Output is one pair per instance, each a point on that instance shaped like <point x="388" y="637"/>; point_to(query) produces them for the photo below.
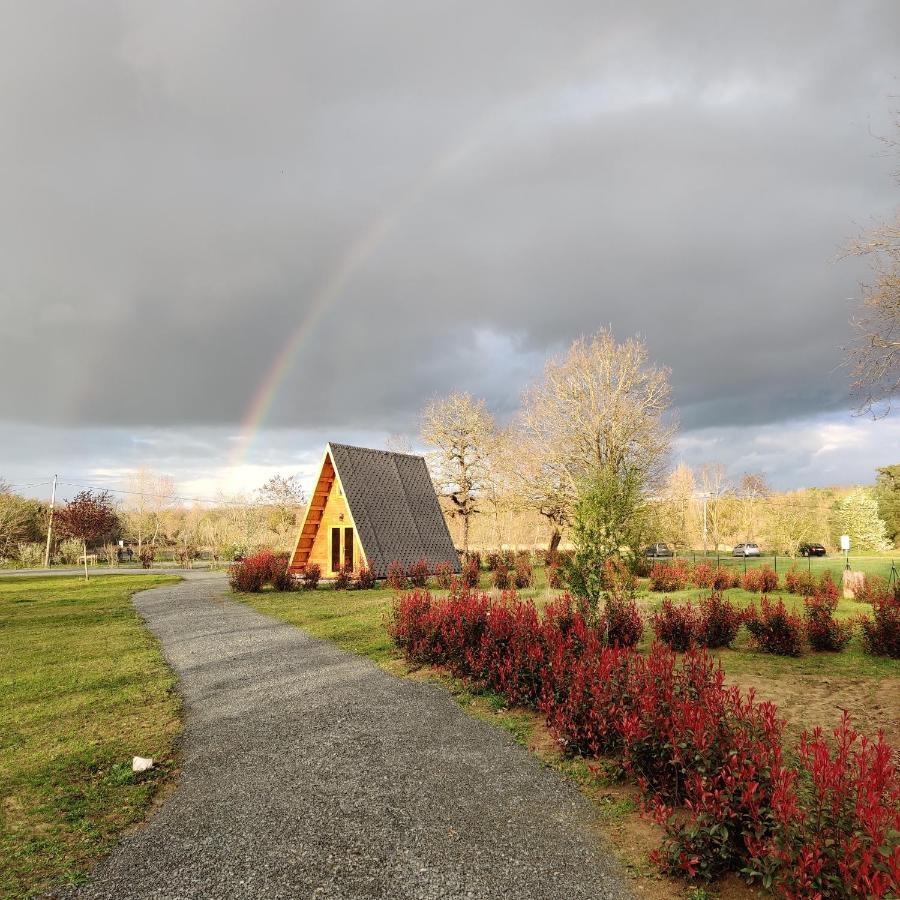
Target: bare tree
<point x="284" y="498"/>
<point x="752" y="489"/>
<point x="461" y="432"/>
<point x="719" y="506"/>
<point x="600" y="409"/>
<point x="676" y="508"/>
<point x="875" y="357"/>
<point x="398" y="443"/>
<point x="149" y="495"/>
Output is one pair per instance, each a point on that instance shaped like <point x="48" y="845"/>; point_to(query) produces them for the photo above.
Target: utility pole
<point x="50" y="525"/>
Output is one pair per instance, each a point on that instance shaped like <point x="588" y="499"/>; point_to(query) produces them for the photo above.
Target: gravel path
<point x="310" y="773"/>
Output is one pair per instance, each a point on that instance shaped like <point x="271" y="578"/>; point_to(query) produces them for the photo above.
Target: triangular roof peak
<point x="393" y="505"/>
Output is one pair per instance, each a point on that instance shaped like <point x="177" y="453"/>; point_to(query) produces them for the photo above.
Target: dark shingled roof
<point x="394" y="506"/>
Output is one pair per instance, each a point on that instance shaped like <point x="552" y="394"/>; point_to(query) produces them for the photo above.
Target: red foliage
<point x="708" y="758"/>
<point x="702" y="575"/>
<point x="834" y="821"/>
<point x="719" y="621"/>
<point x="762" y="580"/>
<point x="621" y="621"/>
<point x="311" y="575"/>
<point x="799" y="582"/>
<point x="774" y="629"/>
<point x="396" y="576"/>
<point x="365" y="579"/>
<point x="724" y="578"/>
<point x="676" y="626"/>
<point x="88" y="516"/>
<point x="875" y="589"/>
<point x="254" y="572"/>
<point x="443" y="574"/>
<point x="343" y="579"/>
<point x="524" y="574"/>
<point x="881" y="634"/>
<point x="823" y="631"/>
<point x="554" y="576"/>
<point x="470" y="570"/>
<point x="669" y="576"/>
<point x="418" y="573"/>
<point x="827" y="588"/>
<point x="501" y="576"/>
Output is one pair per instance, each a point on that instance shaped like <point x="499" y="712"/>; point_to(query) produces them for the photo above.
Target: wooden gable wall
<point x="327" y="509"/>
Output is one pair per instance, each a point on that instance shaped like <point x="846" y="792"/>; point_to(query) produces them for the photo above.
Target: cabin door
<point x="348" y="549"/>
<point x="335" y="550"/>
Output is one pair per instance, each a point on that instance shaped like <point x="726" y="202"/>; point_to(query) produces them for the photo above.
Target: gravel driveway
<point x="310" y="773"/>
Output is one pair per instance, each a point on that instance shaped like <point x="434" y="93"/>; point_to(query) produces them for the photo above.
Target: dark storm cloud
<point x="179" y="183"/>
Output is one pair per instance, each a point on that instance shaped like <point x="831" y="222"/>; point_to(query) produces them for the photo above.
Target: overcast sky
<point x="426" y="197"/>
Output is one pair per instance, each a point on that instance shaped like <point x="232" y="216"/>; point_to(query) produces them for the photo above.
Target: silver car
<point x="746" y="550"/>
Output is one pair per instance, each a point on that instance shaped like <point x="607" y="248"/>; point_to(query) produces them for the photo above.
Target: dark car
<point x="658" y="550"/>
<point x="812" y="550"/>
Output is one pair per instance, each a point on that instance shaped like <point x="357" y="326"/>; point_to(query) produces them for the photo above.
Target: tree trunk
<point x="465" y="536"/>
<point x="84" y="547"/>
<point x="555" y="538"/>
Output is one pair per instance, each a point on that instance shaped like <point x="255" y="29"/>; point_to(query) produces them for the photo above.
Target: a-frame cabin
<point x="370" y="508"/>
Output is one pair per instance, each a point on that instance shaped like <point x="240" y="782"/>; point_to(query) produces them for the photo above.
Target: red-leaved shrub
<point x="501" y="577"/>
<point x="827" y="588"/>
<point x="669" y="576"/>
<point x="254" y="572"/>
<point x="443" y="575"/>
<point x="311" y="575"/>
<point x="621" y="621"/>
<point x="823" y="631"/>
<point x="396" y="576"/>
<point x="774" y="629"/>
<point x="676" y="626"/>
<point x="834" y="820"/>
<point x="524" y="574"/>
<point x="343" y="579"/>
<point x="799" y="582"/>
<point x="554" y="576"/>
<point x="365" y="579"/>
<point x="702" y="575"/>
<point x="881" y="634"/>
<point x="470" y="572"/>
<point x="247" y="576"/>
<point x="874" y="589"/>
<point x="762" y="580"/>
<point x="724" y="578"/>
<point x="708" y="758"/>
<point x="418" y="573"/>
<point x="719" y="621"/>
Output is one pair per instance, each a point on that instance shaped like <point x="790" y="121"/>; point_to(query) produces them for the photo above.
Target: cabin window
<point x="348" y="548"/>
<point x="335" y="549"/>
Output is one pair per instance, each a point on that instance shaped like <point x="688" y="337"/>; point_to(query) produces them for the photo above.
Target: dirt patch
<point x="808" y="701"/>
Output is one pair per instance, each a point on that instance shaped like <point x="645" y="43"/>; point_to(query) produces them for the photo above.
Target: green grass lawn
<point x="83" y="689"/>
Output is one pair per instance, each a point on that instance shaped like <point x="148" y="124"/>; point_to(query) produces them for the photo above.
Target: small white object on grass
<point x="141" y="764"/>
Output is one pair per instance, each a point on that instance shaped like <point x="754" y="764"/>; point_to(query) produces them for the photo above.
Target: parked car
<point x="658" y="550"/>
<point x="812" y="550"/>
<point x="746" y="550"/>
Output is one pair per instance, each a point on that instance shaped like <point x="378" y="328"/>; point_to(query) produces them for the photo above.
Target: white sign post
<point x="845" y="546"/>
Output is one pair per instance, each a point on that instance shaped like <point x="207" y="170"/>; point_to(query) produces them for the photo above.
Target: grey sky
<point x="473" y="184"/>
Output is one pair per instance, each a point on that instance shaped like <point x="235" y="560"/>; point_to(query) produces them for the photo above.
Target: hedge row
<point x="819" y="821"/>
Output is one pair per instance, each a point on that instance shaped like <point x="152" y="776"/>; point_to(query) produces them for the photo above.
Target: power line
<point x="147" y="494"/>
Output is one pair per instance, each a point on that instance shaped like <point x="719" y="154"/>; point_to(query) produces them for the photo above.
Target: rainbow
<point x="356" y="255"/>
<point x="368" y="242"/>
